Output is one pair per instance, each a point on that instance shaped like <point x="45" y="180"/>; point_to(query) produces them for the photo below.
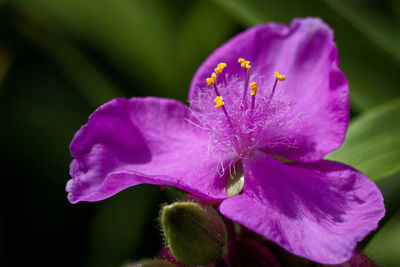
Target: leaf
<point x="372" y="144"/>
<point x="376" y="20"/>
<point x="372" y="72"/>
<point x="390" y="187"/>
<point x="260" y="11"/>
<point x="384" y="248"/>
<point x="136" y="36"/>
<point x="199" y="35"/>
<point x="91" y="83"/>
<point x="6" y="58"/>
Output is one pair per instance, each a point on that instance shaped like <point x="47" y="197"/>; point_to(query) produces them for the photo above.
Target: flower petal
<point x="142" y="140"/>
<point x="318" y="211"/>
<point x="306" y="53"/>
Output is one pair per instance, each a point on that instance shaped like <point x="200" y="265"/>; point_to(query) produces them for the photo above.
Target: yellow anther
<point x="218" y="102"/>
<point x="221" y="65"/>
<point x="212" y="79"/>
<point x="279" y="77"/>
<point x="247" y="66"/>
<point x="220" y="68"/>
<point x="253" y="87"/>
<point x="244" y="63"/>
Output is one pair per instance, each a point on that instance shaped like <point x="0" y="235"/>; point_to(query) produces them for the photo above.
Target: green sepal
<point x="195" y="234"/>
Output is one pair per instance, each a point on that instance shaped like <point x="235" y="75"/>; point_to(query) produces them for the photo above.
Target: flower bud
<point x="152" y="263"/>
<point x="195" y="234"/>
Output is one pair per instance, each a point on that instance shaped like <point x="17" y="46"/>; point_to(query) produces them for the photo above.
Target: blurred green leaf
<point x="384" y="248"/>
<point x="199" y="35"/>
<point x="120" y="224"/>
<point x="252" y="12"/>
<point x="375" y="19"/>
<point x="135" y="35"/>
<point x="91" y="83"/>
<point x="396" y="7"/>
<point x="372" y="144"/>
<point x="372" y="72"/>
<point x="6" y="58"/>
<point x="390" y="188"/>
<point x="157" y="47"/>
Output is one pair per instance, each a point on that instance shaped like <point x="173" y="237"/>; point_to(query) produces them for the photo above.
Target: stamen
<point x="220" y="68"/>
<point x="253" y="87"/>
<point x="245" y="64"/>
<point x="279" y="77"/>
<point x="244" y="127"/>
<point x="253" y="93"/>
<point x="222" y="65"/>
<point x="218" y="102"/>
<point x="212" y="79"/>
<point x="216" y="89"/>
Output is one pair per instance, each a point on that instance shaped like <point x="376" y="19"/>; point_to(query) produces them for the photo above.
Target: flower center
<point x="236" y="123"/>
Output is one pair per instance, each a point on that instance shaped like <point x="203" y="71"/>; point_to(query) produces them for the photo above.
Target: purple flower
<point x="276" y="131"/>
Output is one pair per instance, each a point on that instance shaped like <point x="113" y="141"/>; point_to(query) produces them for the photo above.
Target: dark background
<point x="60" y="60"/>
